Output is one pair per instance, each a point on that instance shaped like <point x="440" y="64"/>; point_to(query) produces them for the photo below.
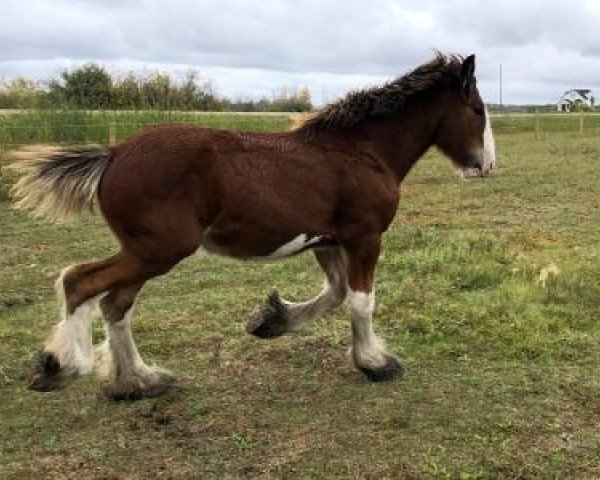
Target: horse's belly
<point x="299" y="244"/>
<point x="247" y="246"/>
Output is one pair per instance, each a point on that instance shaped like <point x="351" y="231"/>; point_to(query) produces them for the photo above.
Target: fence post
<point x="581" y="122"/>
<point x="537" y="124"/>
<point x="112" y="133"/>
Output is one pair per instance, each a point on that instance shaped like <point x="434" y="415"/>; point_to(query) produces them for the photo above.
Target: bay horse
<point x="330" y="186"/>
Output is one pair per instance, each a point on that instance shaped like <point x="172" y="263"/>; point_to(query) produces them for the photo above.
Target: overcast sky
<point x="253" y="47"/>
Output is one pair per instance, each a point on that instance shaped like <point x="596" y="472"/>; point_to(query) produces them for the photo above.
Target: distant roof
<point x="583" y="92"/>
<point x="576" y="92"/>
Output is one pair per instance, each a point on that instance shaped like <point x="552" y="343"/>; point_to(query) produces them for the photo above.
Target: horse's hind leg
<point x="278" y="316"/>
<point x="68" y="351"/>
<point x="117" y="359"/>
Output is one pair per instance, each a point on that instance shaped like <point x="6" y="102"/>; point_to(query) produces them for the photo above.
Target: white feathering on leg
<point x="71" y="341"/>
<point x="367" y="349"/>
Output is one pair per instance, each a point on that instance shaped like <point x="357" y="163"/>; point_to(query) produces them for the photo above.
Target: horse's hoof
<point x="48" y="375"/>
<point x="272" y="319"/>
<point x="140" y="387"/>
<point x="392" y="370"/>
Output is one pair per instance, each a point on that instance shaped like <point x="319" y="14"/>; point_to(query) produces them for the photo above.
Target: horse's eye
<point x="478" y="110"/>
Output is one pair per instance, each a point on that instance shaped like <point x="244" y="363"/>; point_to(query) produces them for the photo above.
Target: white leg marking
<point x="103" y="360"/>
<point x="300" y="242"/>
<point x="125" y="356"/>
<point x="120" y="364"/>
<point x="302" y="312"/>
<point x="71" y="340"/>
<point x="367" y="349"/>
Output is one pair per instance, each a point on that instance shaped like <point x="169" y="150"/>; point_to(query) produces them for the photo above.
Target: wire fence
<point x="544" y="124"/>
<point x="108" y="128"/>
<point x="67" y="127"/>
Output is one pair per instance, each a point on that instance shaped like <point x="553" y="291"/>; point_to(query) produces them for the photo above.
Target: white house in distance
<point x="572" y="97"/>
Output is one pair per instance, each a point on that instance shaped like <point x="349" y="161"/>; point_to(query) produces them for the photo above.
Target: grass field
<point x="489" y="290"/>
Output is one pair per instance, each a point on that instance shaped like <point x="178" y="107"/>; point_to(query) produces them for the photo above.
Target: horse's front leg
<point x="279" y="316"/>
<point x="368" y="352"/>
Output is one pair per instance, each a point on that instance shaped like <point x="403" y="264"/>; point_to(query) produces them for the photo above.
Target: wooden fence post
<point x="537" y="124"/>
<point x="581" y="122"/>
<point x="112" y="133"/>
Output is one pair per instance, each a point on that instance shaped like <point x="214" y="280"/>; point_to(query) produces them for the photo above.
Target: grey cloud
<point x="543" y="45"/>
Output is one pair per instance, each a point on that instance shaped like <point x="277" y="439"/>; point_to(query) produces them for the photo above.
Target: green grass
<point x="503" y="377"/>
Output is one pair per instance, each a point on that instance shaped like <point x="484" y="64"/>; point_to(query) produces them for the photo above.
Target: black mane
<point x="389" y="98"/>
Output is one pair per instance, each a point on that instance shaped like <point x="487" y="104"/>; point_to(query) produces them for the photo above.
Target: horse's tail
<point x="58" y="182"/>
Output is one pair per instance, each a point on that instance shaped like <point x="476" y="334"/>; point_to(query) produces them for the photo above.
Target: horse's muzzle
<point x="479" y="166"/>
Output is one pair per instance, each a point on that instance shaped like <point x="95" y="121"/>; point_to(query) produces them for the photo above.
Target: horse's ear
<point x="466" y="74"/>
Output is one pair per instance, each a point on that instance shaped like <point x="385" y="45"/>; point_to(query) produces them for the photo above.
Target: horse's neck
<point x="400" y="140"/>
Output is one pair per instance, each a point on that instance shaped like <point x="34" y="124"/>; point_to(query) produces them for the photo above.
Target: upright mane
<point x="360" y="105"/>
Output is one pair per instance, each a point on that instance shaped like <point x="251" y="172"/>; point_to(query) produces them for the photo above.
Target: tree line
<point x="90" y="86"/>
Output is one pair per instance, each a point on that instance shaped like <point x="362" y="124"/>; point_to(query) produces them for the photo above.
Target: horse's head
<point x="465" y="133"/>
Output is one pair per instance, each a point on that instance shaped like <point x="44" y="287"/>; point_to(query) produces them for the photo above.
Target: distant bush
<point x="496" y="108"/>
<point x="283" y="101"/>
<point x="20" y="93"/>
<point x="90" y="86"/>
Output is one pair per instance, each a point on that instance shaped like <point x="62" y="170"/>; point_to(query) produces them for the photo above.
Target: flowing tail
<point x="58" y="182"/>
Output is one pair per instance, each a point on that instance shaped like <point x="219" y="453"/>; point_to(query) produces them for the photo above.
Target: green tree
<point x="155" y="90"/>
<point x="88" y="86"/>
<point x="126" y="92"/>
<point x="189" y="92"/>
<point x="292" y="101"/>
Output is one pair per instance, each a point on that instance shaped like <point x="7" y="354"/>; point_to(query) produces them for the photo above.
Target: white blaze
<point x="489" y="148"/>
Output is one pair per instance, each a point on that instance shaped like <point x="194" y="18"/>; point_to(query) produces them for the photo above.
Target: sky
<point x="252" y="48"/>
